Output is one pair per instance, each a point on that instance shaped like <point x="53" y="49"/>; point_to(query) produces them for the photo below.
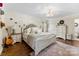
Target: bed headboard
<point x="31" y="28"/>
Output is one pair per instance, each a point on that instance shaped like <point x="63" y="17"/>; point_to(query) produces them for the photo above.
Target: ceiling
<point x="41" y="9"/>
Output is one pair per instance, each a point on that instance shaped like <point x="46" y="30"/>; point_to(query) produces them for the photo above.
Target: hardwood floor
<point x="18" y="49"/>
<point x="70" y="42"/>
<point x="22" y="49"/>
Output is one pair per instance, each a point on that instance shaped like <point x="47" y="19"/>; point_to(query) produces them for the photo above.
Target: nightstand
<point x="16" y="37"/>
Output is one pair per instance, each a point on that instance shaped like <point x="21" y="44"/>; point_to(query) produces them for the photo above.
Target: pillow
<point x="29" y="30"/>
<point x="36" y="30"/>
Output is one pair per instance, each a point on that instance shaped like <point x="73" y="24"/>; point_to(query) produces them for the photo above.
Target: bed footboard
<point x="43" y="43"/>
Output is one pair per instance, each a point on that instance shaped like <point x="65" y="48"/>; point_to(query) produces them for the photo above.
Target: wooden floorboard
<point x="22" y="49"/>
<point x="70" y="42"/>
<point x="18" y="49"/>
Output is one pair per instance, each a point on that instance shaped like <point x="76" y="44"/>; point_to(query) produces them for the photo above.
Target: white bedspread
<point x="39" y="41"/>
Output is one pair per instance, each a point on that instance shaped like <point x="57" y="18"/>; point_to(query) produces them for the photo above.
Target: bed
<point x="39" y="41"/>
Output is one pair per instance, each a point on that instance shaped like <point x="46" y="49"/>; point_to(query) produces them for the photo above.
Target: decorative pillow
<point x="29" y="30"/>
<point x="36" y="30"/>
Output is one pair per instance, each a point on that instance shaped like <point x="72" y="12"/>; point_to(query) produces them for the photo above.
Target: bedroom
<point x="37" y="28"/>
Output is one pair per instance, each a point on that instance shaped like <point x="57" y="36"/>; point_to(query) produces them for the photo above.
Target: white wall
<point x="21" y="19"/>
<point x="76" y="29"/>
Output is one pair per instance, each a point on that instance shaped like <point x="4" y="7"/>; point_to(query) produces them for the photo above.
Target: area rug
<point x="60" y="49"/>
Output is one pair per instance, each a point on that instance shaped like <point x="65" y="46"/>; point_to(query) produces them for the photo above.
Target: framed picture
<point x="61" y="22"/>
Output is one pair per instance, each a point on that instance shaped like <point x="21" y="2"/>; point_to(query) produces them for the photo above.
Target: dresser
<point x="61" y="31"/>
